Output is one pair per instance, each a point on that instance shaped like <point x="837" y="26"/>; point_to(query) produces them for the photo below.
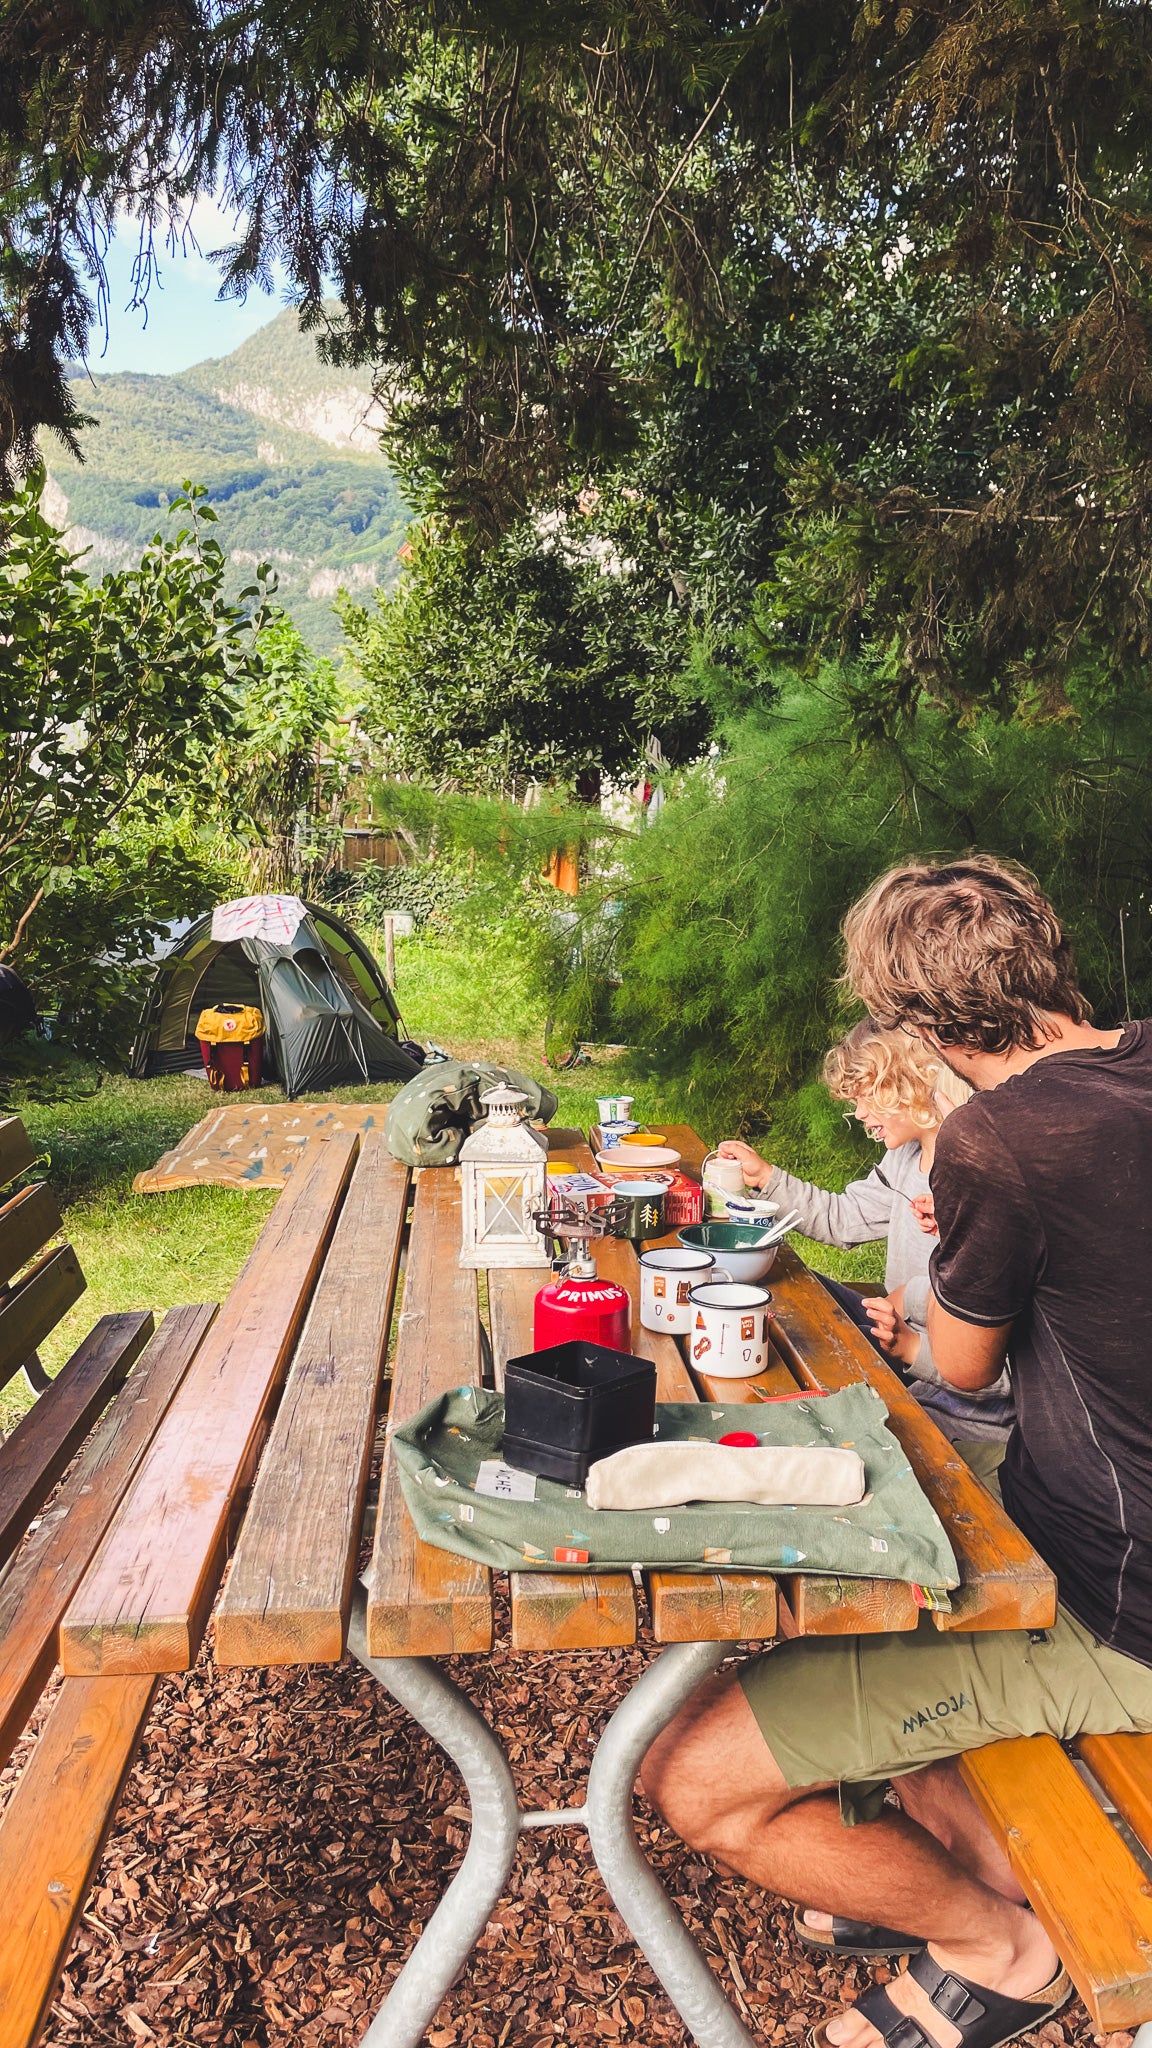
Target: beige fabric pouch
<point x="669" y="1475"/>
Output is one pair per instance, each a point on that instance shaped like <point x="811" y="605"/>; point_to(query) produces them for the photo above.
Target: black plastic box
<point x="566" y="1406"/>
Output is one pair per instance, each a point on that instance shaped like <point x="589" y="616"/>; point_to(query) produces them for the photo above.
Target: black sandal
<point x="985" y="2018"/>
<point x="855" y="1938"/>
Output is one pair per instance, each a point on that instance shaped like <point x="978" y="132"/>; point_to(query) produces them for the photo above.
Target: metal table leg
<point x="637" y="1892"/>
<point x="497" y="1822"/>
<point x="464" y="1911"/>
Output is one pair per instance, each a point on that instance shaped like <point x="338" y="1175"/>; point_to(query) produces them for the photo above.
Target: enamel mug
<point x="667" y="1277"/>
<point x="728" y="1339"/>
<point x="636" y="1209"/>
<point x="751" y="1209"/>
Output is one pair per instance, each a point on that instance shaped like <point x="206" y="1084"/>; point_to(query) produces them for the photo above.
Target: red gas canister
<point x="578" y="1304"/>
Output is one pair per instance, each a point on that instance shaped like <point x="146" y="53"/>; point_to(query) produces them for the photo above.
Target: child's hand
<point x="890" y="1330"/>
<point x="757" y="1172"/>
<point x="924" y="1210"/>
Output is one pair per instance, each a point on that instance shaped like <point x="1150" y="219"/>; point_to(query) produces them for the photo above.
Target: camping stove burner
<point x="574" y="1228"/>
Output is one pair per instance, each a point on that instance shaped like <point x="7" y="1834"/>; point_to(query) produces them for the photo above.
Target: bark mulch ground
<point x="285" y="1835"/>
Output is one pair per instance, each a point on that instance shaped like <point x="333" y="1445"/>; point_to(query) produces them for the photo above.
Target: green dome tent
<point x="330" y="1017"/>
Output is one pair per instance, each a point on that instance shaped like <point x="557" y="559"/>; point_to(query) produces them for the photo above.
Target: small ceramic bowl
<point x="733" y="1245"/>
<point x="753" y="1209"/>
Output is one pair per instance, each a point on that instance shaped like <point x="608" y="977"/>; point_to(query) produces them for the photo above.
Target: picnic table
<point x="286" y="1485"/>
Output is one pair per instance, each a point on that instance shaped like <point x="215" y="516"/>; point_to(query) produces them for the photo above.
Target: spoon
<point x="884" y="1181"/>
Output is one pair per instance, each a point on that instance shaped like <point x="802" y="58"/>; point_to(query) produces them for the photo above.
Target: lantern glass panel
<point x="504" y="1205"/>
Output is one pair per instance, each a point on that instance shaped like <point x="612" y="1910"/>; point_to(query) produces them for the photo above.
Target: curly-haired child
<point x="901" y="1092"/>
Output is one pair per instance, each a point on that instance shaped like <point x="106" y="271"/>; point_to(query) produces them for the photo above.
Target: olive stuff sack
<point x="432" y="1115"/>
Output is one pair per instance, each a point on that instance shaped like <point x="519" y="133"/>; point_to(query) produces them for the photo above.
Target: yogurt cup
<point x="615" y="1109"/>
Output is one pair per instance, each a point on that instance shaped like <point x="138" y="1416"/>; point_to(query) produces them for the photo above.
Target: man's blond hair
<point x="893" y="1071"/>
<point x="970" y="952"/>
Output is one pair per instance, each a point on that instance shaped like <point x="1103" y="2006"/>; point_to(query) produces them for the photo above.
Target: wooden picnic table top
<point x="425" y="1601"/>
<point x="307" y="1327"/>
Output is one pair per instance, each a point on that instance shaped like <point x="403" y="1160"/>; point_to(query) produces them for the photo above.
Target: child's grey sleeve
<point x="916" y="1293"/>
<point x="863" y="1212"/>
<point x="923" y="1366"/>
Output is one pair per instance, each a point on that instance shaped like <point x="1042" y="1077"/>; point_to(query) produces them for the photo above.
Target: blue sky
<point x="185" y="320"/>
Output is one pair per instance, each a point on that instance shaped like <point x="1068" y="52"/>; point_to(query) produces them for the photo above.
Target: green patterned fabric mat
<point x="894" y="1533"/>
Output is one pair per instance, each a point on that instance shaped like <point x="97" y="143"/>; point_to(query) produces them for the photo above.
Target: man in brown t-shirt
<point x="1042" y="1187"/>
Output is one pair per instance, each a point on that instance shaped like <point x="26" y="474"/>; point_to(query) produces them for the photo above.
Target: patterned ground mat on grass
<point x="253" y="1145"/>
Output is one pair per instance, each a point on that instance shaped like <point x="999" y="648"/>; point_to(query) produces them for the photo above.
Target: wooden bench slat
<point x="27" y="1221"/>
<point x="145" y="1602"/>
<point x="40" y="1581"/>
<point x="1123" y="1766"/>
<point x="424" y="1602"/>
<point x="31" y="1310"/>
<point x="553" y="1610"/>
<point x="46" y="1439"/>
<point x="51" y="1836"/>
<point x="17" y="1152"/>
<point x="559" y="1610"/>
<point x="289" y="1591"/>
<point x="1080" y="1877"/>
<point x="812" y="1605"/>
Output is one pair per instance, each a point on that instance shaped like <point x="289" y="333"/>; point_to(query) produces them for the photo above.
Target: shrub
<point x="732" y="897"/>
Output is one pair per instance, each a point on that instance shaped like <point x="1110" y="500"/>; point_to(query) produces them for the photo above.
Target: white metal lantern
<point x="503" y="1179"/>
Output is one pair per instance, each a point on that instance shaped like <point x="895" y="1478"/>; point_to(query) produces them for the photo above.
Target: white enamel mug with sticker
<point x="728" y="1338"/>
<point x="667" y="1276"/>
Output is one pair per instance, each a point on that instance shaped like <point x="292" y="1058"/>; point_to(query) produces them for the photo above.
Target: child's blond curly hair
<point x="895" y="1071"/>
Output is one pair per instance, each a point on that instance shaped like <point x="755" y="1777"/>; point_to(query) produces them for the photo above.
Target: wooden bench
<point x="149" y="1507"/>
<point x="97" y="1415"/>
<point x="145" y="1602"/>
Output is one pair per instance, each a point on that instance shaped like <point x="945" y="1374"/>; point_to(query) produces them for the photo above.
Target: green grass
<point x="156" y="1251"/>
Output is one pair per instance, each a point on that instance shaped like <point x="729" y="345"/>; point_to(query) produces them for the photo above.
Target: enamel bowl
<point x="733" y="1246"/>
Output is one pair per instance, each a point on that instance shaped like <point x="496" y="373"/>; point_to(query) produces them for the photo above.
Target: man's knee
<point x="711" y="1769"/>
<point x="671" y="1776"/>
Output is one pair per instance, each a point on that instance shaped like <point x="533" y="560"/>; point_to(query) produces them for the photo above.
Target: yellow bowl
<point x="644" y="1138"/>
<point x="562" y="1166"/>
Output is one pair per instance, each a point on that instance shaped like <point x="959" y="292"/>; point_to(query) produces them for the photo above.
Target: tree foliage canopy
<point x="732" y="898"/>
<point x="554" y="227"/>
<point x="555" y="656"/>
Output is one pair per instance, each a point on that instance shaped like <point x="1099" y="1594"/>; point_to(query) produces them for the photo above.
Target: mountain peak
<point x="277" y="375"/>
<point x="251" y="426"/>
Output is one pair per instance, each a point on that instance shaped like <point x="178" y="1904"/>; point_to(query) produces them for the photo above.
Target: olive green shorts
<point x="860" y="1710"/>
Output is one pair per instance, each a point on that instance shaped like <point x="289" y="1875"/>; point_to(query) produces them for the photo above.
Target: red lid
<point x="741" y="1439"/>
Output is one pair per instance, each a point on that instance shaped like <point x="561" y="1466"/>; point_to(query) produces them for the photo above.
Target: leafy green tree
<point x="280" y="775"/>
<point x="545" y="659"/>
<point x="549" y="222"/>
<point x="113" y="699"/>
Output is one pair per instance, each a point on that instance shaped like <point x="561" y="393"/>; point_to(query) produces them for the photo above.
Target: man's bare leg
<point x="715" y="1781"/>
<point x="940" y="1801"/>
